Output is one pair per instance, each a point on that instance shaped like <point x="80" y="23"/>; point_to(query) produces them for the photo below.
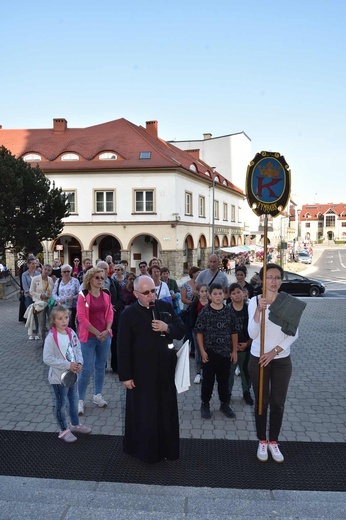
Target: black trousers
<point x="218" y="367"/>
<point x="276" y="378"/>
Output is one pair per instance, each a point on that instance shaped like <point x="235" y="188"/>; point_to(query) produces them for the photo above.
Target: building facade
<point x="131" y="194"/>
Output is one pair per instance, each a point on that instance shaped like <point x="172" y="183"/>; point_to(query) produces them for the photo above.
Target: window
<point x="31" y="157"/>
<point x="144" y="201"/>
<point x="343" y="224"/>
<point x="216" y="210"/>
<point x="71" y="199"/>
<point x="188" y="203"/>
<point x="225" y="211"/>
<point x="145" y="155"/>
<point x="104" y="201"/>
<point x="330" y="220"/>
<point x="70" y="157"/>
<point x="201" y="206"/>
<point x="108" y="156"/>
<point x="233" y="213"/>
<point x="307" y="224"/>
<point x="240" y="214"/>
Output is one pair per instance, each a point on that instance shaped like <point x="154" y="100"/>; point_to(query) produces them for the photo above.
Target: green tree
<point x="30" y="210"/>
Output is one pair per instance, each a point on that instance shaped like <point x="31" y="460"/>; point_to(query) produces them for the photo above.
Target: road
<point x="330" y="268"/>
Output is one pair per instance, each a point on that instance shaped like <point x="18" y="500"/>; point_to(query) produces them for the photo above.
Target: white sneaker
<point x="31" y="337"/>
<point x="80" y="407"/>
<point x="37" y="338"/>
<point x="197" y="379"/>
<point x="98" y="399"/>
<point x="262" y="451"/>
<point x="275" y="452"/>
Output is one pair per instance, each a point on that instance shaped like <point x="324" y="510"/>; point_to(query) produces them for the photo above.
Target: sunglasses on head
<point x="145" y="293"/>
<point x="99" y="277"/>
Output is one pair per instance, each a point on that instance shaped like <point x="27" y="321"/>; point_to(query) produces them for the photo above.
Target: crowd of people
<point x="84" y="314"/>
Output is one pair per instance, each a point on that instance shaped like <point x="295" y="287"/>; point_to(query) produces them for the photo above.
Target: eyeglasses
<point x="99" y="277"/>
<point x="274" y="278"/>
<point x="117" y="269"/>
<point x="64" y="272"/>
<point x="145" y="293"/>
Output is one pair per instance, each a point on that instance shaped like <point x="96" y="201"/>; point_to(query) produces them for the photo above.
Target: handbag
<point x="68" y="378"/>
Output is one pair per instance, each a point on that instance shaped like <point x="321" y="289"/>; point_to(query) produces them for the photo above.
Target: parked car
<point x="294" y="283"/>
<point x="304" y="257"/>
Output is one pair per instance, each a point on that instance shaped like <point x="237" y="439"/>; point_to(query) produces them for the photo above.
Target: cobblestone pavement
<point x="315" y="407"/>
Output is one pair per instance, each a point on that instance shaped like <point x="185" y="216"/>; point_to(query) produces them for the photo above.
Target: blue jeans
<point x="63" y="396"/>
<point x="95" y="355"/>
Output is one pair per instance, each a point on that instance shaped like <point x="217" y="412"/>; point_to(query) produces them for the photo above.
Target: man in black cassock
<point x="146" y="367"/>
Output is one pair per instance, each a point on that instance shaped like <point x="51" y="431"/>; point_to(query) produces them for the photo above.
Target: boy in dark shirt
<point x="240" y="309"/>
<point x="217" y="338"/>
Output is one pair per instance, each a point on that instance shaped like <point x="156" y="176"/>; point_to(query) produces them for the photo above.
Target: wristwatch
<point x="277" y="351"/>
<point x="168" y="330"/>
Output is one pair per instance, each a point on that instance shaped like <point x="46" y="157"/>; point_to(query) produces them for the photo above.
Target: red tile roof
<point x="120" y="136"/>
<point x="311" y="211"/>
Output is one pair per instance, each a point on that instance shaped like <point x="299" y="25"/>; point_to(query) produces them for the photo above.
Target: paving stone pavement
<point x="315" y="411"/>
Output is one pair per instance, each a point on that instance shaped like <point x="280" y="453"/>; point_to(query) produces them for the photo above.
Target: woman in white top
<point x="162" y="290"/>
<point x="276" y="363"/>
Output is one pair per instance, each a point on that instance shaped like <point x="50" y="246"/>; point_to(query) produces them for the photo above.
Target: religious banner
<point x="268" y="183"/>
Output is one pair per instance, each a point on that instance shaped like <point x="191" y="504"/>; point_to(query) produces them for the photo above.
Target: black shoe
<point x="227" y="410"/>
<point x="205" y="411"/>
<point x="247" y="398"/>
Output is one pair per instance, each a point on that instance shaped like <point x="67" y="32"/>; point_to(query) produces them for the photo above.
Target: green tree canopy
<point x="30" y="210"/>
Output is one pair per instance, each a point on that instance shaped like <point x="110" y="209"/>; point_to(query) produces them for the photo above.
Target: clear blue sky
<point x="274" y="69"/>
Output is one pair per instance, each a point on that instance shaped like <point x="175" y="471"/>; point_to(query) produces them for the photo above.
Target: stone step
<point x="25" y="498"/>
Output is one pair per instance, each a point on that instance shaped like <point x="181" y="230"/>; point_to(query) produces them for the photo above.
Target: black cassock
<point x="151" y="422"/>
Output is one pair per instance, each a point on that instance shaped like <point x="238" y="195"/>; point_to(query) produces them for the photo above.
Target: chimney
<point x="194" y="153"/>
<point x="152" y="128"/>
<point x="59" y="125"/>
<point x="207" y="136"/>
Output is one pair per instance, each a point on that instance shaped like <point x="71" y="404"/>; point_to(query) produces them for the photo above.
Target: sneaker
<point x="275" y="452"/>
<point x="98" y="399"/>
<point x="205" y="411"/>
<point x="237" y="370"/>
<point x="81" y="428"/>
<point x="197" y="379"/>
<point x="31" y="337"/>
<point x="262" y="451"/>
<point x="37" y="338"/>
<point x="227" y="410"/>
<point x="80" y="407"/>
<point x="247" y="398"/>
<point x="67" y="436"/>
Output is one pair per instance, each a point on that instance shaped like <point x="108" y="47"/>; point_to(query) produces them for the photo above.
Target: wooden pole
<point x="264" y="288"/>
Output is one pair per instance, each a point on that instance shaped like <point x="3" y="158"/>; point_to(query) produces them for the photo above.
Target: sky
<point x="273" y="69"/>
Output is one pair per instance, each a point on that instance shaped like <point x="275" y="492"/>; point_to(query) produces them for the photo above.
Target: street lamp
<point x="213" y="214"/>
<point x="298" y="227"/>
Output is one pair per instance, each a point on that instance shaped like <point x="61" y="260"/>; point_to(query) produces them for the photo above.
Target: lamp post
<point x="298" y="227"/>
<point x="213" y="214"/>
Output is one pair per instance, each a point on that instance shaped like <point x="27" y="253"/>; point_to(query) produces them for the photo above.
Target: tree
<point x="30" y="210"/>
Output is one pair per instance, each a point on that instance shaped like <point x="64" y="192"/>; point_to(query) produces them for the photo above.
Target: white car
<point x="303" y="257"/>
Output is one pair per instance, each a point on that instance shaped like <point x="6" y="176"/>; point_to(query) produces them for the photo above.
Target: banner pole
<point x="263" y="312"/>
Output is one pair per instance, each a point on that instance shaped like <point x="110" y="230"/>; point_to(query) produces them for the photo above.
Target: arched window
<point x="70" y="157"/>
<point x="108" y="156"/>
<point x="30" y="157"/>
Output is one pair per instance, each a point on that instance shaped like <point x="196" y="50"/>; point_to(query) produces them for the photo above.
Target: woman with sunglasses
<point x="119" y="274"/>
<point x="66" y="291"/>
<point x="95" y="318"/>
